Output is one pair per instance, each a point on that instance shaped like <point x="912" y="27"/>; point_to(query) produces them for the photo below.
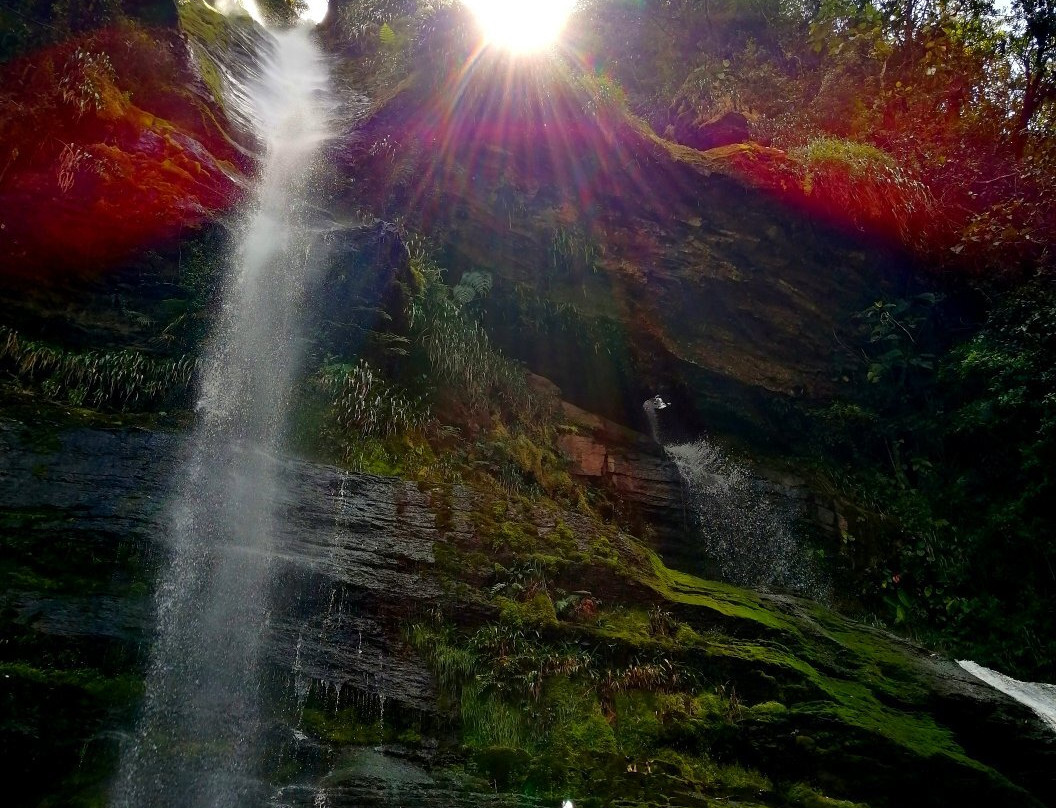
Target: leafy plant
<point x="84" y="81"/>
<point x="866" y="183"/>
<point x="472" y="285"/>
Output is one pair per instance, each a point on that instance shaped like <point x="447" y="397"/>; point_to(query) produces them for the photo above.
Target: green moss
<point x="577" y="721"/>
<point x="802" y="796"/>
<point x="686" y="637"/>
<point x="210" y="75"/>
<point x="628" y="626"/>
<point x="768" y="710"/>
<point x="504" y="767"/>
<point x="374" y="456"/>
<point x="562" y="538"/>
<point x="343" y="727"/>
<point x="724" y="599"/>
<point x="601" y="549"/>
<point x="204" y="24"/>
<point x="491" y="720"/>
<point x="537" y="612"/>
<point x="639" y="722"/>
<point x="116" y="690"/>
<point x="742" y="780"/>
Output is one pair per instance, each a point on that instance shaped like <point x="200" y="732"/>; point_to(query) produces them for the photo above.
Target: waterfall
<point x="199" y="736"/>
<point x="1038" y="696"/>
<point x="748" y="532"/>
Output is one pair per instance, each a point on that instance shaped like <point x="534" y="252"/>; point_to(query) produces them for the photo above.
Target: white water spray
<point x="1038" y="696"/>
<point x="199" y="738"/>
<point x="748" y="533"/>
<point x="250" y="7"/>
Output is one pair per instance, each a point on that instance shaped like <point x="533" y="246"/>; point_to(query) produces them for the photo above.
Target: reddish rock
<point x="107" y="149"/>
<point x="630" y="465"/>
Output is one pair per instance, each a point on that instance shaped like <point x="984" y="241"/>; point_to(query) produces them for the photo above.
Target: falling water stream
<point x="750" y="534"/>
<point x="199" y="736"/>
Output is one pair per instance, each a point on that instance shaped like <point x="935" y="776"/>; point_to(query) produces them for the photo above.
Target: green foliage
<point x="857" y="160"/>
<point x="537" y="612"/>
<point x="28" y="24"/>
<point x="953" y="449"/>
<point x="342" y="727"/>
<point x="802" y="796"/>
<point x="116" y="380"/>
<point x="866" y="182"/>
<point x="458" y="350"/>
<point x="472" y="285"/>
<point x="362" y="402"/>
<point x="961" y="96"/>
<point x="84" y="80"/>
<point x="603" y="95"/>
<point x="572" y="253"/>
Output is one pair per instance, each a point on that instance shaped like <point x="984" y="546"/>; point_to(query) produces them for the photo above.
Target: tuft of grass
<point x="363" y="402"/>
<point x="859" y="160"/>
<point x="864" y="182"/>
<point x="118" y="380"/>
<point x="459" y="352"/>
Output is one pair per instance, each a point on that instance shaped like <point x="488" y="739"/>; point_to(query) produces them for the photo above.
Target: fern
<point x="472" y="285"/>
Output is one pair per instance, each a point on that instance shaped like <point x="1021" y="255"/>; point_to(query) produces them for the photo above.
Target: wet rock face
<point x="347" y="557"/>
<point x="84" y="518"/>
<point x="137" y="156"/>
<point x="84" y="511"/>
<point x="634" y="469"/>
<point x="649" y="487"/>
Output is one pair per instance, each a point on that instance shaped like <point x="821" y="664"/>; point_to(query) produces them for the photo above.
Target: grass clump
<point x="856" y="159"/>
<point x="865" y="183"/>
<point x="114" y="380"/>
<point x="362" y="401"/>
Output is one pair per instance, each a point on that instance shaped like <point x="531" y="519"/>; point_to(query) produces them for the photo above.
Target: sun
<point x="314" y="11"/>
<point x="521" y="27"/>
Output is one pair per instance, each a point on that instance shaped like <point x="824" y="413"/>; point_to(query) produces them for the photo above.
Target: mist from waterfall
<point x="750" y="533"/>
<point x="198" y="740"/>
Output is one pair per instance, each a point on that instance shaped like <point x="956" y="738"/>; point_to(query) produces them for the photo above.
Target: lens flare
<point x="521" y="27"/>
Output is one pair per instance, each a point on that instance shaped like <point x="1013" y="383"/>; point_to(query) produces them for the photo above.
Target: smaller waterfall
<point x="651" y="406"/>
<point x="1038" y="696"/>
<point x="748" y="532"/>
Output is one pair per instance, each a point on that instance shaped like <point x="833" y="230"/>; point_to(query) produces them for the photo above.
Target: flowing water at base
<point x="198" y="740"/>
<point x="1038" y="696"/>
